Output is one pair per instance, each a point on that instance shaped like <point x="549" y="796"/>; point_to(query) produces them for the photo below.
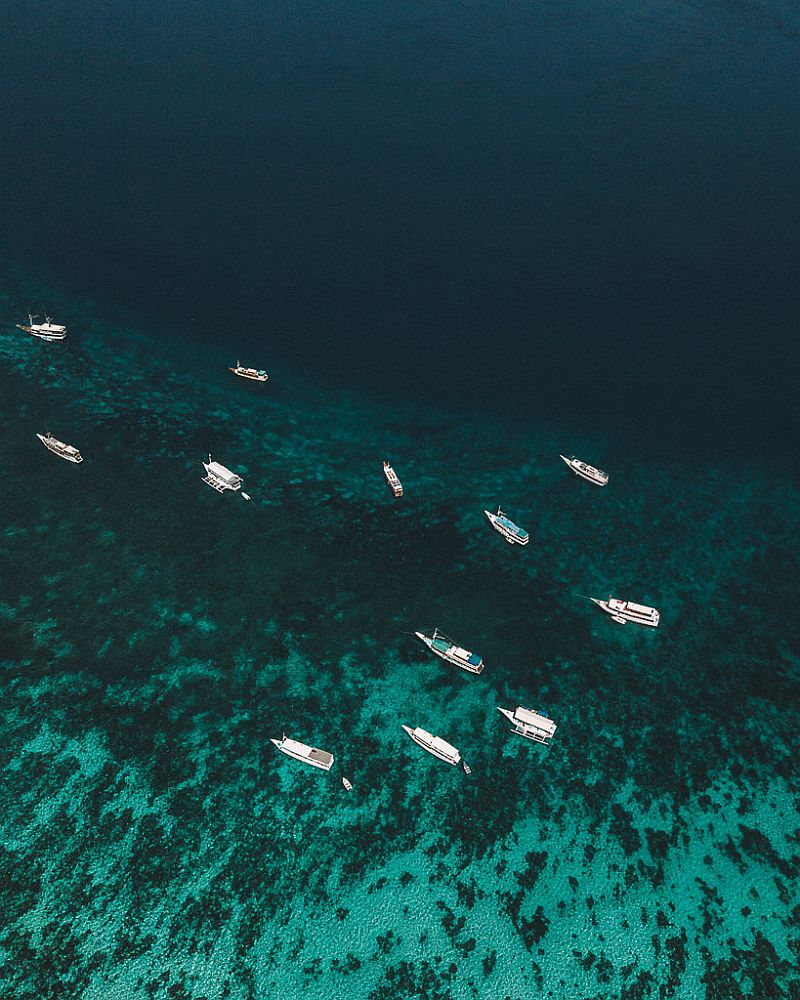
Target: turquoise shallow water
<point x="154" y="635"/>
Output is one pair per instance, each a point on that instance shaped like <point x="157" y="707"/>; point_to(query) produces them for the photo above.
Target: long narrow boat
<point x="434" y="744"/>
<point x="627" y="611"/>
<point x="254" y="374"/>
<point x="302" y="752"/>
<point x="586" y="471"/>
<point x="512" y="533"/>
<point x="220" y="478"/>
<point x="65" y="451"/>
<point x="446" y="649"/>
<point x="532" y="725"/>
<point x="44" y="331"/>
<point x="391" y="478"/>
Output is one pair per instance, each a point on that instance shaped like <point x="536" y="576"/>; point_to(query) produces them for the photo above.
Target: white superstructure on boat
<point x="587" y="472"/>
<point x="44" y="331"/>
<point x="445" y="648"/>
<point x="392" y="480"/>
<point x="627" y="611"/>
<point x="255" y="374"/>
<point x="434" y="744"/>
<point x="65" y="451"/>
<point x="220" y="478"/>
<point x="301" y="751"/>
<point x="512" y="533"/>
<point x="532" y="725"/>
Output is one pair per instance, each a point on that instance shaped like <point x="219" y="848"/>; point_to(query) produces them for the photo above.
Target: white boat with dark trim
<point x="254" y="374"/>
<point x="348" y="785"/>
<point x="534" y="726"/>
<point x="585" y="471"/>
<point x="434" y="744"/>
<point x="302" y="752"/>
<point x="65" y="451"/>
<point x="445" y="648"/>
<point x="391" y="478"/>
<point x="512" y="533"/>
<point x="219" y="478"/>
<point x="44" y="331"/>
<point x="627" y="611"/>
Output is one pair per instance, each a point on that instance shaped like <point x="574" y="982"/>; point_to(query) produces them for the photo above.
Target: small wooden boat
<point x="391" y="478"/>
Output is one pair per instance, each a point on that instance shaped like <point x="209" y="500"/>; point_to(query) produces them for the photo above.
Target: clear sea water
<point x="465" y="237"/>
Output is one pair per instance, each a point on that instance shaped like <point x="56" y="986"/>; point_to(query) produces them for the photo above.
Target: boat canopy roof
<point x="444" y="747"/>
<point x="641" y="608"/>
<point x="529" y="718"/>
<point x="215" y="469"/>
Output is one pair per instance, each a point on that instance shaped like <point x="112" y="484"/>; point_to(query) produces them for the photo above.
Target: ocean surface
<point x="465" y="237"/>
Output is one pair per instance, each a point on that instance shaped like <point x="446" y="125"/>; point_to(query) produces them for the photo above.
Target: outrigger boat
<point x="445" y="648"/>
<point x="219" y="478"/>
<point x="532" y="725"/>
<point x="512" y="533"/>
<point x="391" y="478"/>
<point x="434" y="744"/>
<point x="255" y="374"/>
<point x="585" y="471"/>
<point x="302" y="752"/>
<point x="627" y="611"/>
<point x="44" y="331"/>
<point x="65" y="451"/>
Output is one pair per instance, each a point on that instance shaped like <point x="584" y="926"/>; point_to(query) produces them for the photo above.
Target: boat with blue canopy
<point x="446" y="649"/>
<point x="512" y="532"/>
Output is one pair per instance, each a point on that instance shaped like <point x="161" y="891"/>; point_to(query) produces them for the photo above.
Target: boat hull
<point x="448" y="658"/>
<point x="621" y="615"/>
<point x="501" y="529"/>
<point x="43" y="335"/>
<point x="435" y="746"/>
<point x="320" y="759"/>
<point x="601" y="480"/>
<point x="76" y="458"/>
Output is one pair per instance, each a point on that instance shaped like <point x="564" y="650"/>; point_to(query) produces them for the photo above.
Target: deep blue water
<point x="576" y="210"/>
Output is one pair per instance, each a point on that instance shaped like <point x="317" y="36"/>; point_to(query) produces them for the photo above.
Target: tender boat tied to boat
<point x="391" y="478"/>
<point x="44" y="331"/>
<point x="255" y="374"/>
<point x="434" y="744"/>
<point x="65" y="451"/>
<point x="586" y="471"/>
<point x="512" y="533"/>
<point x="302" y="752"/>
<point x="532" y="725"/>
<point x="627" y="611"/>
<point x="219" y="478"/>
<point x="445" y="648"/>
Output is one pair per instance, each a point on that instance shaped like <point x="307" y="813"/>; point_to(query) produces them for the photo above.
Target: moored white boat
<point x="627" y="611"/>
<point x="532" y="725"/>
<point x="219" y="478"/>
<point x="44" y="331"/>
<point x="445" y="648"/>
<point x="254" y="374"/>
<point x="347" y="784"/>
<point x="391" y="478"/>
<point x="434" y="744"/>
<point x="65" y="451"/>
<point x="512" y="532"/>
<point x="302" y="752"/>
<point x="585" y="471"/>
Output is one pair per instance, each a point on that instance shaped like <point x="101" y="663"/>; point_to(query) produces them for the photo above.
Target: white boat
<point x="44" y="331"/>
<point x="57" y="447"/>
<point x="627" y="611"/>
<point x="301" y="751"/>
<point x="434" y="744"/>
<point x="255" y="374"/>
<point x="219" y="478"/>
<point x="392" y="480"/>
<point x="587" y="472"/>
<point x="445" y="648"/>
<point x="347" y="784"/>
<point x="512" y="533"/>
<point x="532" y="725"/>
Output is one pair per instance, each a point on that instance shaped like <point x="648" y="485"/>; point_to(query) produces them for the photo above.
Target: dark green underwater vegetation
<point x="155" y="635"/>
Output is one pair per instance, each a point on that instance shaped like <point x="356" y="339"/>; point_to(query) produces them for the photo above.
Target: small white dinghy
<point x="347" y="784"/>
<point x="245" y="496"/>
